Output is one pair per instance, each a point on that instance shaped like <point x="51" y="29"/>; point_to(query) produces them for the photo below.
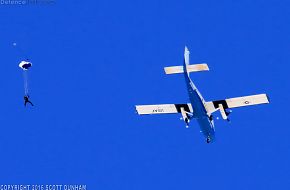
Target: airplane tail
<point x="186" y="67"/>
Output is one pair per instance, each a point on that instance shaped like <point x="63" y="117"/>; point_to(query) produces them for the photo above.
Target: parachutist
<point x="25" y="66"/>
<point x="26" y="100"/>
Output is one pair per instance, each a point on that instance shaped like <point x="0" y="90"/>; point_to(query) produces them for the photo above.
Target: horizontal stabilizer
<point x="162" y="108"/>
<point x="237" y="102"/>
<point x="190" y="68"/>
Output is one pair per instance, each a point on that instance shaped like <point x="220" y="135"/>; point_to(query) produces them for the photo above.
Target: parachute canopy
<point x="25" y="65"/>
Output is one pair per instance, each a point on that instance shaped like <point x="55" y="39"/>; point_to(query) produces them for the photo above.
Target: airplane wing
<point x="163" y="108"/>
<point x="236" y="102"/>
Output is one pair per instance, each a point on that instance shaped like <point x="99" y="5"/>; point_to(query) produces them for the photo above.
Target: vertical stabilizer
<point x="186" y="56"/>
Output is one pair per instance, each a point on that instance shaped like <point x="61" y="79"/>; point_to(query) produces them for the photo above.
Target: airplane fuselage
<point x="199" y="111"/>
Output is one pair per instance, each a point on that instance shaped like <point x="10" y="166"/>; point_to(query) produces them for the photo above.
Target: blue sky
<point x="94" y="60"/>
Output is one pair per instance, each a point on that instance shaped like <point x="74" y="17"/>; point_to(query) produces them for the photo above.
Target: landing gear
<point x="208" y="139"/>
<point x="186" y="121"/>
<point x="210" y="117"/>
<point x="185" y="117"/>
<point x="228" y="112"/>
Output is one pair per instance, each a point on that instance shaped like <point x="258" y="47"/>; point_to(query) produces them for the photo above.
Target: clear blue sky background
<point x="94" y="60"/>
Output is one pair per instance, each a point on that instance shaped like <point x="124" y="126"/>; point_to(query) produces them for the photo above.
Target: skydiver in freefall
<point x="26" y="100"/>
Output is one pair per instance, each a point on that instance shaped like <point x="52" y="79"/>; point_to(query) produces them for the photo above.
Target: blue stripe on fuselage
<point x="199" y="111"/>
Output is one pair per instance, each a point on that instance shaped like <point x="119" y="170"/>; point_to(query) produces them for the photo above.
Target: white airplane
<point x="198" y="108"/>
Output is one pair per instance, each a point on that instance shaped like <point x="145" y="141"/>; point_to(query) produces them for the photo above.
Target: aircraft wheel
<point x="208" y="140"/>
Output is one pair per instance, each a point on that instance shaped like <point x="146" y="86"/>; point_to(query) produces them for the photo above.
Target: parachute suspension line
<point x="25" y="78"/>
